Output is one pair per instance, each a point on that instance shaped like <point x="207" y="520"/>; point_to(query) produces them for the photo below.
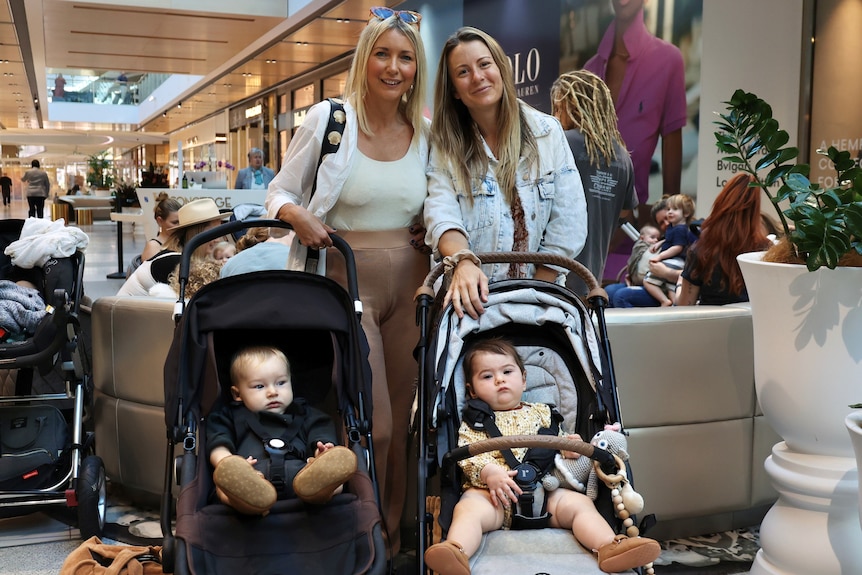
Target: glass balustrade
<point x="112" y="88"/>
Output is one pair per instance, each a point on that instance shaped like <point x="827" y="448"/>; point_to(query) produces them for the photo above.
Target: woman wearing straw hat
<point x="194" y="218"/>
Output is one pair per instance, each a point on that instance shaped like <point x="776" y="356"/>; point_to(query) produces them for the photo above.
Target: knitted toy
<point x="580" y="473"/>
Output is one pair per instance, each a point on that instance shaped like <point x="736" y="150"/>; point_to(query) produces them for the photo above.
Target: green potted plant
<point x="827" y="222"/>
<point x="806" y="309"/>
<point x="98" y="171"/>
<point x="126" y="194"/>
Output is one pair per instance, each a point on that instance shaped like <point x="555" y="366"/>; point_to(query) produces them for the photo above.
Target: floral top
<point x="527" y="419"/>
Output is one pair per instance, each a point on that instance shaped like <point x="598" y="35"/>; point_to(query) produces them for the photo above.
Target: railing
<point x="105" y="89"/>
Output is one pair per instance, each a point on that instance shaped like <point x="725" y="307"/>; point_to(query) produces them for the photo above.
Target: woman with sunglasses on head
<point x="501" y="175"/>
<point x="371" y="190"/>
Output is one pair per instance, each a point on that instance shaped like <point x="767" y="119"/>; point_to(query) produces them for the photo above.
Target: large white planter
<point x="853" y="422"/>
<point x="808" y="368"/>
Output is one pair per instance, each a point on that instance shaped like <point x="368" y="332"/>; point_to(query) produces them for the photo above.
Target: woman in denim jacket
<point x="526" y="192"/>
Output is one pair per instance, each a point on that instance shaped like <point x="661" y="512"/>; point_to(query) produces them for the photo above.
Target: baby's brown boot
<point x="241" y="486"/>
<point x="323" y="475"/>
<point x="626" y="553"/>
<point x="447" y="558"/>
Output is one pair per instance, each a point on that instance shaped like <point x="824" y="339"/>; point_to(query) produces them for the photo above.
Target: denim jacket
<point x="553" y="199"/>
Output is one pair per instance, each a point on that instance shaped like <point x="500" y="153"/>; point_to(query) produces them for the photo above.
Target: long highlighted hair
<point x="356" y="88"/>
<point x="582" y="100"/>
<point x="455" y="135"/>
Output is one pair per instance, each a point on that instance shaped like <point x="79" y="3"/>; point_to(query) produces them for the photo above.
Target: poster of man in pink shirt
<point x="649" y="77"/>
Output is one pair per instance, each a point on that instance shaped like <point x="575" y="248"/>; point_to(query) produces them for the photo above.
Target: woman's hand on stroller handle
<point x="468" y="289"/>
<point x="310" y="230"/>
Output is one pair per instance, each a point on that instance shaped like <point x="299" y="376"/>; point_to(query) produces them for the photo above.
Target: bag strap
<point x="331" y="142"/>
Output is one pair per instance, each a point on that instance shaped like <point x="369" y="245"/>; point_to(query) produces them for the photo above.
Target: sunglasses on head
<point x="406" y="16"/>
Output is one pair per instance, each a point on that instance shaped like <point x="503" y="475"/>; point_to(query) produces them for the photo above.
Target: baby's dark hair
<point x="495" y="345"/>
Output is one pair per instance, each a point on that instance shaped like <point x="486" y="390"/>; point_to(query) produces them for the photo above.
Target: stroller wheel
<point x="92" y="497"/>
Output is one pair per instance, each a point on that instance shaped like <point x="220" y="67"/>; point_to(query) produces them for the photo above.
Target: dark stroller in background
<point x="568" y="364"/>
<point x="46" y="456"/>
<point x="316" y="323"/>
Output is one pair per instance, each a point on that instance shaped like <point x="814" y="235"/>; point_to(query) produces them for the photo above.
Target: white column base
<point x="814" y="525"/>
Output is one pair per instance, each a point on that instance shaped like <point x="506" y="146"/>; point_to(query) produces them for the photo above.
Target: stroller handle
<point x="228" y="228"/>
<point x="593" y="287"/>
<point x="607" y="461"/>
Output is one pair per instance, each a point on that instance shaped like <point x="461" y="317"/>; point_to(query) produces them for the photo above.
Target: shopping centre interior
<point x="160" y="92"/>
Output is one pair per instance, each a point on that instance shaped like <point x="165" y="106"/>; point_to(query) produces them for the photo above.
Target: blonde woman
<point x="501" y="175"/>
<point x="582" y="103"/>
<point x="371" y="190"/>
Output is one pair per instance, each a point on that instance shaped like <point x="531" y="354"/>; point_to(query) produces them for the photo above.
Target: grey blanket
<point x="21" y="308"/>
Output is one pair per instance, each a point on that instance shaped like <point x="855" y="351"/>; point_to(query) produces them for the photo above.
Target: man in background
<point x="256" y="176"/>
<point x="6" y="185"/>
<point x="38" y="187"/>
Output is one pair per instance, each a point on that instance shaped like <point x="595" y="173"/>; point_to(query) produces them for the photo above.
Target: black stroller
<point x="316" y="323"/>
<point x="568" y="364"/>
<point x="46" y="455"/>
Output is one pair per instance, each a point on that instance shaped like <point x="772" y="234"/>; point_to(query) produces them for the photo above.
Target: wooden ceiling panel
<point x="212" y="38"/>
<point x="291" y="52"/>
<point x="327" y="31"/>
<point x="7" y="31"/>
<point x="105" y="38"/>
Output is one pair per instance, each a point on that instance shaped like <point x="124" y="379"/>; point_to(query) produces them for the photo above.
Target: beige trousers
<point x="389" y="272"/>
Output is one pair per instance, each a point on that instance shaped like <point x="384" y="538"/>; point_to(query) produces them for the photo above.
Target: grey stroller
<point x="562" y="341"/>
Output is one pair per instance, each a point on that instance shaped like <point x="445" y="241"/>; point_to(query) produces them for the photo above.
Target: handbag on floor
<point x="92" y="557"/>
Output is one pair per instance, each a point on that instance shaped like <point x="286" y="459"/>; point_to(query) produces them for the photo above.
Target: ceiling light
<point x="179" y="104"/>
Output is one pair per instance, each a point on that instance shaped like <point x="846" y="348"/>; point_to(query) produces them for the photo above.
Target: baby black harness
<point x="531" y="511"/>
<point x="280" y="455"/>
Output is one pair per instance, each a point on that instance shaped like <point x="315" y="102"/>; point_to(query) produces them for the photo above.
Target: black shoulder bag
<point x="331" y="142"/>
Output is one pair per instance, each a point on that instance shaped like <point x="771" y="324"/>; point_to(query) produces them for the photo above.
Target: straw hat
<point x="198" y="212"/>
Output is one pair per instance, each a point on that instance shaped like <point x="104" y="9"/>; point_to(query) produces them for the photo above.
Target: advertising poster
<point x="529" y="34"/>
<point x="583" y="24"/>
<point x="835" y="112"/>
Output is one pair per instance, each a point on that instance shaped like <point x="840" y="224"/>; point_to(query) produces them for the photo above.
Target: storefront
<point x="269" y="121"/>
